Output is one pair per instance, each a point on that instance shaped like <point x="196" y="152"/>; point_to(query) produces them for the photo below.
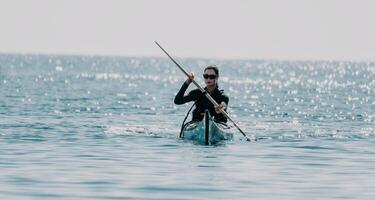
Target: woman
<point x="211" y="76"/>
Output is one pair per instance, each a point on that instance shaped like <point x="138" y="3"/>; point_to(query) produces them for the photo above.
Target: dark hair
<point x="213" y="67"/>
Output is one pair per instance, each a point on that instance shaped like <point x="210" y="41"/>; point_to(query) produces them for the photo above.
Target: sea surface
<point x="92" y="127"/>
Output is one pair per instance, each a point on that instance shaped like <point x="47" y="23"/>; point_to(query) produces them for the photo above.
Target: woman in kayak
<point x="211" y="76"/>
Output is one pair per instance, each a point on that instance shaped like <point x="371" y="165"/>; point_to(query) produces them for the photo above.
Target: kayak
<point x="207" y="131"/>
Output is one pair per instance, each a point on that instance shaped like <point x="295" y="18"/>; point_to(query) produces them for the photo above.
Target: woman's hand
<point x="220" y="107"/>
<point x="190" y="78"/>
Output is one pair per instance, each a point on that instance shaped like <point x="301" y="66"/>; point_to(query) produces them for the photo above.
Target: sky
<point x="233" y="29"/>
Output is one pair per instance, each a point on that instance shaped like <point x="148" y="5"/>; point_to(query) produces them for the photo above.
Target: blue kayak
<point x="207" y="131"/>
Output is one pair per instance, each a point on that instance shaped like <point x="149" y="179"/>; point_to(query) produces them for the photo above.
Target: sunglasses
<point x="211" y="76"/>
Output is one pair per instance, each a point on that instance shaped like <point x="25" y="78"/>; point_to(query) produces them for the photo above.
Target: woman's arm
<point x="180" y="98"/>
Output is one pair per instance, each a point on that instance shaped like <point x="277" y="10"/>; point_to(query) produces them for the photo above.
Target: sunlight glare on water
<point x="81" y="127"/>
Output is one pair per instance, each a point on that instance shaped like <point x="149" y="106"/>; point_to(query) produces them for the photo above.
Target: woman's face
<point x="210" y="78"/>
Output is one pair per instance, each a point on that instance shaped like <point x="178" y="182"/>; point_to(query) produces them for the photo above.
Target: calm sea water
<point x="106" y="128"/>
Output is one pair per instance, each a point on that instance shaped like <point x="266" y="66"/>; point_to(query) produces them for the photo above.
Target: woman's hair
<point x="213" y="67"/>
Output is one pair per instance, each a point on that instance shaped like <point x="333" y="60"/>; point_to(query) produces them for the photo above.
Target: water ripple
<point x="90" y="127"/>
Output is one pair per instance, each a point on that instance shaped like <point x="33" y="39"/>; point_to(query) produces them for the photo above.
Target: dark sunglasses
<point x="211" y="76"/>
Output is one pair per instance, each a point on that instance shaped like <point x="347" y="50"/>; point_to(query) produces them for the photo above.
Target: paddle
<point x="208" y="96"/>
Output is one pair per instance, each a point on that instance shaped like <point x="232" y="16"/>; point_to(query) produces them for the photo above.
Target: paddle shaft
<point x="208" y="96"/>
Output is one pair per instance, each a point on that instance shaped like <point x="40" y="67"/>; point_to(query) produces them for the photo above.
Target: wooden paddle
<point x="208" y="96"/>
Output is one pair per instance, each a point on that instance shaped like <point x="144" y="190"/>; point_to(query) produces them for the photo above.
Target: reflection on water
<point x="106" y="128"/>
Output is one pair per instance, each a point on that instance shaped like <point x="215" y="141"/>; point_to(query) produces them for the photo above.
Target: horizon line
<point x="183" y="57"/>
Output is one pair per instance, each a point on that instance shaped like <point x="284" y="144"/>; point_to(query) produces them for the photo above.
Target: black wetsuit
<point x="202" y="103"/>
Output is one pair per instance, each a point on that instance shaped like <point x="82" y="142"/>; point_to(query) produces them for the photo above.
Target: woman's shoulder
<point x="222" y="93"/>
<point x="195" y="92"/>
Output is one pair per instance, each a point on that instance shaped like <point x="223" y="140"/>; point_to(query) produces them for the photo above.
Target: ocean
<point x="96" y="127"/>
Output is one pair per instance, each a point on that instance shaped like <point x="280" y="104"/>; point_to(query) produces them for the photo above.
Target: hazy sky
<point x="264" y="29"/>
